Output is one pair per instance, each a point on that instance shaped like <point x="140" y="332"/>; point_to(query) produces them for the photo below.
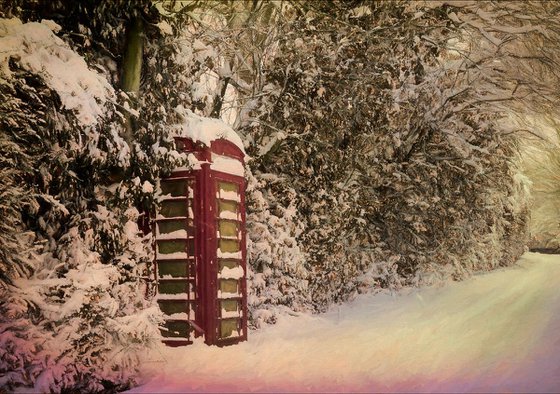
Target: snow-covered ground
<point x="495" y="332"/>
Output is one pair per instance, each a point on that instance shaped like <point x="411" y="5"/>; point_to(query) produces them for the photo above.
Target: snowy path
<point x="495" y="332"/>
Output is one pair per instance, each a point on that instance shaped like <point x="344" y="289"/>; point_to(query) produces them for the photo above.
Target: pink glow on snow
<point x="495" y="332"/>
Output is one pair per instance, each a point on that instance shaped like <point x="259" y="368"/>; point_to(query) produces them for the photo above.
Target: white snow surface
<point x="205" y="130"/>
<point x="227" y="165"/>
<point x="231" y="273"/>
<point x="494" y="332"/>
<point x="173" y="235"/>
<point x="41" y="52"/>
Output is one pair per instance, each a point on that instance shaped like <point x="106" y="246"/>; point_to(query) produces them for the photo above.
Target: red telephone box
<point x="200" y="247"/>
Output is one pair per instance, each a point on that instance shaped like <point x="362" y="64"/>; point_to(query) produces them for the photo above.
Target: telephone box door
<point x="176" y="263"/>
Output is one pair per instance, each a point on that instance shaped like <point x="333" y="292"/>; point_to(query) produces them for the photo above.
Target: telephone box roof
<point x="206" y="130"/>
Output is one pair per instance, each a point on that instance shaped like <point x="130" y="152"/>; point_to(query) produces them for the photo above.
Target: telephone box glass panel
<point x="229" y="328"/>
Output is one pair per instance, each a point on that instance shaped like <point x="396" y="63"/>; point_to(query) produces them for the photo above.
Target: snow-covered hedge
<point x="399" y="169"/>
<point x="73" y="311"/>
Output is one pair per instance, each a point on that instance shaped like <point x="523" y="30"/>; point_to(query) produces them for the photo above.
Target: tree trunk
<point x="132" y="68"/>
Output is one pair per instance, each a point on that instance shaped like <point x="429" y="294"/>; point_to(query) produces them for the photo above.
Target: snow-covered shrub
<point x="73" y="309"/>
<point x="16" y="165"/>
<point x="88" y="320"/>
<point x="400" y="170"/>
<point x="277" y="275"/>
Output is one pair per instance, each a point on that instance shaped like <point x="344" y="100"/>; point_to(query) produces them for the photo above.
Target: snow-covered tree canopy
<point x="383" y="138"/>
<point x="398" y="168"/>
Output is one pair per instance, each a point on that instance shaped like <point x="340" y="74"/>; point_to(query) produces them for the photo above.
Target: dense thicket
<point x="74" y="312"/>
<point x="372" y="135"/>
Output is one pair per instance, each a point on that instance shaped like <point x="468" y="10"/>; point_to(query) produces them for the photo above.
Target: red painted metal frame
<point x="206" y="241"/>
<point x="226" y="148"/>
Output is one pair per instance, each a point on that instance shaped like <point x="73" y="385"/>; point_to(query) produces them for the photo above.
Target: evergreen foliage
<point x="278" y="278"/>
<point x="395" y="173"/>
<point x="74" y="261"/>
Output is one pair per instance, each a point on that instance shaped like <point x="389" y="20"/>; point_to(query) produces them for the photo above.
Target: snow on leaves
<point x="39" y="51"/>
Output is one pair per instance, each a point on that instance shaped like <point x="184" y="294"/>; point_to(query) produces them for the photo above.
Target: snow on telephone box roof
<point x="209" y="132"/>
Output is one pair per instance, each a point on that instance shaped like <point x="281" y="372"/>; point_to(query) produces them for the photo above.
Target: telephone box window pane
<point x="171" y="209"/>
<point x="230" y="305"/>
<point x="173" y="287"/>
<point x="227" y="206"/>
<point x="171" y="307"/>
<point x="229" y="245"/>
<point x="228" y="228"/>
<point x="228" y="286"/>
<point x="228" y="187"/>
<point x="167" y="247"/>
<point x="176" y="188"/>
<point x="230" y="263"/>
<point x="174" y="269"/>
<point x="229" y="328"/>
<point x="176" y="329"/>
<point x="190" y="247"/>
<point x="169" y="226"/>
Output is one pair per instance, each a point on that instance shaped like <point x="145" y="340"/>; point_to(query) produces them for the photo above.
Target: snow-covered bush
<point x="78" y="323"/>
<point x="278" y="279"/>
<point x="400" y="170"/>
<point x="72" y="294"/>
